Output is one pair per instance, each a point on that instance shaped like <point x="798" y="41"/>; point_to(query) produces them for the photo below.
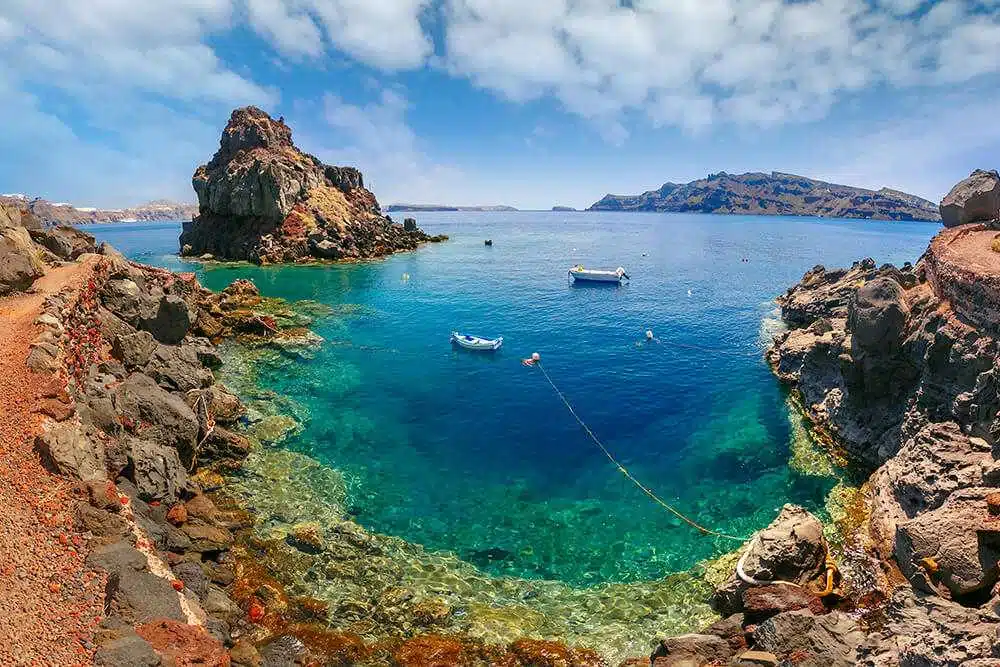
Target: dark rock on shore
<point x="65" y="242"/>
<point x="19" y="261"/>
<point x="897" y="369"/>
<point x="262" y="199"/>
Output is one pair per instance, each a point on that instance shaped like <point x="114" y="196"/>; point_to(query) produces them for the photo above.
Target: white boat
<point x="598" y="275"/>
<point x="476" y="342"/>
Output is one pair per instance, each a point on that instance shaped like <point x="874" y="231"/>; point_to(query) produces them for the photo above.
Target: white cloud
<point x="385" y="34"/>
<point x="751" y="62"/>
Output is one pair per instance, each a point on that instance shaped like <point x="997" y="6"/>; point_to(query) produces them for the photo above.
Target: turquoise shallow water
<point x="475" y="455"/>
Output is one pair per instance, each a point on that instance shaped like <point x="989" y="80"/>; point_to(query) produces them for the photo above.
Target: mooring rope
<point x="667" y="506"/>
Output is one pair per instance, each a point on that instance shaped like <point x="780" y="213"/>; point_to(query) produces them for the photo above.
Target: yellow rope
<point x="624" y="471"/>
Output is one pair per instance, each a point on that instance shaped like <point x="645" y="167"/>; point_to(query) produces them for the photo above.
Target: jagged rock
<point x="928" y="630"/>
<point x="976" y="199"/>
<point x="691" y="649"/>
<point x="178" y="368"/>
<point x="158" y="473"/>
<point x="44" y="358"/>
<point x="205" y="537"/>
<point x="19" y="263"/>
<point x="832" y="639"/>
<point x="263" y="200"/>
<point x="762" y="658"/>
<point x="223" y="445"/>
<point x="124" y="298"/>
<point x="245" y="654"/>
<point x="193" y="577"/>
<point x="962" y="540"/>
<point x="156" y="414"/>
<point x="68" y="449"/>
<point x="937" y="461"/>
<point x="64" y="241"/>
<point x="792" y="548"/>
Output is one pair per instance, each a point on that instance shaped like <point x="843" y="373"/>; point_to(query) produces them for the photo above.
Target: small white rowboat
<point x="598" y="275"/>
<point x="475" y="342"/>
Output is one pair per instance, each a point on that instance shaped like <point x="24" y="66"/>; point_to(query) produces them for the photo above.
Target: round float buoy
<point x="649" y="334"/>
<point x="535" y="356"/>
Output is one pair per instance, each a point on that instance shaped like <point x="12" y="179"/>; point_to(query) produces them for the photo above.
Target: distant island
<point x="424" y="208"/>
<point x="776" y="193"/>
<point x="52" y="213"/>
<point x="564" y="209"/>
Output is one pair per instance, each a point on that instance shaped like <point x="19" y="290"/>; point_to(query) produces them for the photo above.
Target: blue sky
<point x="531" y="103"/>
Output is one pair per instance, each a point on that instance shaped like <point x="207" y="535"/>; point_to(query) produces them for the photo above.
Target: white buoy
<point x="649" y="334"/>
<point x="535" y="356"/>
<point x="689" y="292"/>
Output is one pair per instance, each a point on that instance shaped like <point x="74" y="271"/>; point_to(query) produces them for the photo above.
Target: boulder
<point x="832" y="639"/>
<point x="19" y="263"/>
<point x="792" y="548"/>
<point x="170" y="321"/>
<point x="124" y="298"/>
<point x="976" y="199"/>
<point x="130" y="650"/>
<point x="157" y="471"/>
<point x="64" y="241"/>
<point x="156" y="414"/>
<point x="133" y="593"/>
<point x="763" y="602"/>
<point x="177" y="368"/>
<point x="224" y="406"/>
<point x="133" y="348"/>
<point x="878" y="314"/>
<point x="68" y="450"/>
<point x="691" y="649"/>
<point x="953" y="549"/>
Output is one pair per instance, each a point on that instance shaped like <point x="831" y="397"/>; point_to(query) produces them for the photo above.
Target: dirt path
<point x="49" y="601"/>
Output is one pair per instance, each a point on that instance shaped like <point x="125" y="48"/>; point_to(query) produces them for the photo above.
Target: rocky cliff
<point x="50" y="213"/>
<point x="262" y="199"/>
<point x="899" y="370"/>
<point x="774" y="194"/>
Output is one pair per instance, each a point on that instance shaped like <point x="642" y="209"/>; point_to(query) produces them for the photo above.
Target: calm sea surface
<point x="474" y="453"/>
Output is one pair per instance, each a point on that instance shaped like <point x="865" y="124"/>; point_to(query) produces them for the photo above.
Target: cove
<point x="475" y="455"/>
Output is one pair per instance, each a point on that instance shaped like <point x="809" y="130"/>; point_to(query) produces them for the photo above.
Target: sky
<point x="529" y="103"/>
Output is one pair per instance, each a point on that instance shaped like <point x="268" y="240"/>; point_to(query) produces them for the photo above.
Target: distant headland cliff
<point x="60" y="213"/>
<point x="776" y="193"/>
<point x="262" y="199"/>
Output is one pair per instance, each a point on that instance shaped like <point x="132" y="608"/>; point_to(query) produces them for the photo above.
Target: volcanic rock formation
<point x="262" y="199"/>
<point x="899" y="369"/>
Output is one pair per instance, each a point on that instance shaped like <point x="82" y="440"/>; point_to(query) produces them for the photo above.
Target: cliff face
<point x="51" y="213"/>
<point x="900" y="369"/>
<point x="774" y="194"/>
<point x="262" y="199"/>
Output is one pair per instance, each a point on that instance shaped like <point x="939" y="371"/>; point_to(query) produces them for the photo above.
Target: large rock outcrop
<point x="976" y="199"/>
<point x="899" y="369"/>
<point x="19" y="259"/>
<point x="262" y="199"/>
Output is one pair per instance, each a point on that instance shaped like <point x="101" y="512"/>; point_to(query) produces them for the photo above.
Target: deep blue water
<point x="475" y="454"/>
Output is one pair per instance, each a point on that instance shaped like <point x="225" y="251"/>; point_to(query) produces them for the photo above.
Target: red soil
<point x="49" y="601"/>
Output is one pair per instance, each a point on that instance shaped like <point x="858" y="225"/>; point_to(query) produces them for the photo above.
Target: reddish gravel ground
<point x="49" y="601"/>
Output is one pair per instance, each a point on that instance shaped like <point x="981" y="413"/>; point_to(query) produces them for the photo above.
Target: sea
<point x="476" y="455"/>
